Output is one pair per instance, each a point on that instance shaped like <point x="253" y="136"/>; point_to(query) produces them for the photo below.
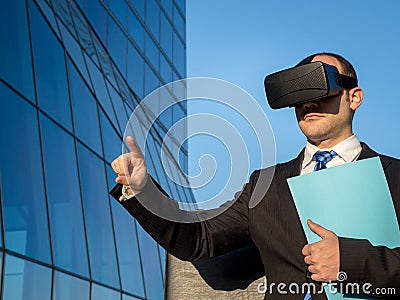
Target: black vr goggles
<point x="305" y="83"/>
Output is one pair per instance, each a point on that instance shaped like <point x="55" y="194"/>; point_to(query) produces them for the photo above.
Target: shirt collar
<point x="348" y="150"/>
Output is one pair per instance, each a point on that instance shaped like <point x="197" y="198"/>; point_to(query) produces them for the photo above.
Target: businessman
<point x="273" y="225"/>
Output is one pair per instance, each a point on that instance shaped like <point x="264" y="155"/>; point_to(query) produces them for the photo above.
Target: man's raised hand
<point x="323" y="257"/>
<point x="131" y="167"/>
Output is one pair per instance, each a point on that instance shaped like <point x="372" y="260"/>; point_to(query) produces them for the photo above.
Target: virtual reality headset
<point x="305" y="83"/>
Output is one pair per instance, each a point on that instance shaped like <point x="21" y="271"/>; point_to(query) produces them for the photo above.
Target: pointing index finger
<point x="132" y="145"/>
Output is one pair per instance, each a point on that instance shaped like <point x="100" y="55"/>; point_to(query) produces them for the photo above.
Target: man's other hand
<point x="323" y="257"/>
<point x="131" y="167"/>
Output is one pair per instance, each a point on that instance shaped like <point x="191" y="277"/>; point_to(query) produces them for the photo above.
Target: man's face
<point x="326" y="121"/>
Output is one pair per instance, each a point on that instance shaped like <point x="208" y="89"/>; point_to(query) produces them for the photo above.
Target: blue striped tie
<point x="307" y="297"/>
<point x="321" y="158"/>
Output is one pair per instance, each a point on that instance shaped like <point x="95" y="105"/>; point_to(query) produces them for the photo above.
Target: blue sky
<point x="242" y="41"/>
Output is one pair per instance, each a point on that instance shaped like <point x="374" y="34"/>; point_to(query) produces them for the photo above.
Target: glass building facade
<point x="71" y="73"/>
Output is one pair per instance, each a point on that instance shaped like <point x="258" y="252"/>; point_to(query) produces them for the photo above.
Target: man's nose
<point x="310" y="105"/>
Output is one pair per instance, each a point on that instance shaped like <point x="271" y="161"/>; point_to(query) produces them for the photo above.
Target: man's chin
<point x="314" y="133"/>
<point x="316" y="138"/>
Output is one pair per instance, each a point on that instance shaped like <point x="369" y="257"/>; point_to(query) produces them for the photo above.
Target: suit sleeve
<point x="192" y="240"/>
<point x="378" y="266"/>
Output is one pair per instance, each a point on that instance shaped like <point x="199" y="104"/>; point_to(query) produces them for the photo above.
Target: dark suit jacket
<point x="274" y="227"/>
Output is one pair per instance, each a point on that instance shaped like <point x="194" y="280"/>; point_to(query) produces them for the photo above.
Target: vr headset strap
<point x="345" y="81"/>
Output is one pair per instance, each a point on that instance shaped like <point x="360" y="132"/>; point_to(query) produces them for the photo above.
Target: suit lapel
<point x="292" y="168"/>
<point x="367" y="152"/>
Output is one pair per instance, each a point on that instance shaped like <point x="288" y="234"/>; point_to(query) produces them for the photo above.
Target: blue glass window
<point x="82" y="29"/>
<point x="1" y="233"/>
<point x="166" y="36"/>
<point x="25" y="218"/>
<point x="179" y="56"/>
<point x="119" y="107"/>
<point x="128" y="109"/>
<point x="16" y="61"/>
<point x="165" y="69"/>
<point x="102" y="293"/>
<point x="128" y="250"/>
<point x="175" y="76"/>
<point x="135" y="70"/>
<point x="171" y="171"/>
<point x="124" y="90"/>
<point x="181" y="5"/>
<point x="126" y="297"/>
<point x="74" y="50"/>
<point x="67" y="287"/>
<point x="135" y="29"/>
<point x="183" y="150"/>
<point x="116" y="45"/>
<point x="183" y="159"/>
<point x="102" y="253"/>
<point x="120" y="10"/>
<point x="167" y="4"/>
<point x="84" y="107"/>
<point x="101" y="90"/>
<point x="179" y="23"/>
<point x="62" y="10"/>
<point x="152" y="51"/>
<point x="81" y="3"/>
<point x="153" y="150"/>
<point x="111" y="175"/>
<point x="51" y="78"/>
<point x="188" y="194"/>
<point x="49" y="14"/>
<point x="163" y="256"/>
<point x="166" y="117"/>
<point x="151" y="265"/>
<point x="151" y="80"/>
<point x="150" y="163"/>
<point x="24" y="280"/>
<point x="153" y="18"/>
<point x="179" y="89"/>
<point x="105" y="61"/>
<point x="97" y="16"/>
<point x="139" y="6"/>
<point x="63" y="194"/>
<point x="111" y="140"/>
<point x="1" y="264"/>
<point x="177" y="115"/>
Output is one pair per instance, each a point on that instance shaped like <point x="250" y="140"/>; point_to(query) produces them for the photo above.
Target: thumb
<point x="318" y="229"/>
<point x="122" y="180"/>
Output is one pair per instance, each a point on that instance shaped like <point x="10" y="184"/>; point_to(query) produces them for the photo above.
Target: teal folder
<point x="353" y="200"/>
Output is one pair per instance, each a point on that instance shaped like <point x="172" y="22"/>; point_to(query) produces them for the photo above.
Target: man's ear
<point x="356" y="96"/>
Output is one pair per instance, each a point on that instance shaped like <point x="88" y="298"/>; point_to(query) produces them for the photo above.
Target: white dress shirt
<point x="347" y="151"/>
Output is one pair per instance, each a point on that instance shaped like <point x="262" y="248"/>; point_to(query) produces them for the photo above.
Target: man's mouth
<point x="312" y="116"/>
